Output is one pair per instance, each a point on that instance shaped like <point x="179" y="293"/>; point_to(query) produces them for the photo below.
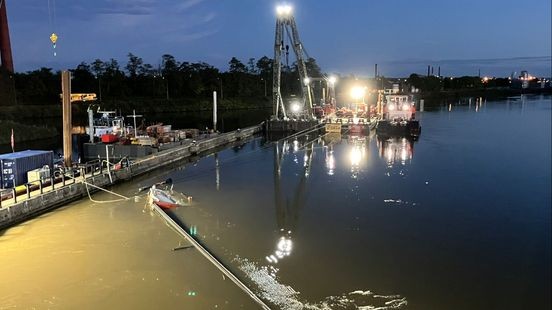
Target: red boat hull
<point x="163" y="199"/>
<point x="166" y="205"/>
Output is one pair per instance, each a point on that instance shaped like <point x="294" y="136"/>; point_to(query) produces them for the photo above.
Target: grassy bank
<point x="24" y="132"/>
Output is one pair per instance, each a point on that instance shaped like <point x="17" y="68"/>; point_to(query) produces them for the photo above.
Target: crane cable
<point x="52" y="22"/>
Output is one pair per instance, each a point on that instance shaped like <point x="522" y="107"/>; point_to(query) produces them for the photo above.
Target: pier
<point x="88" y="178"/>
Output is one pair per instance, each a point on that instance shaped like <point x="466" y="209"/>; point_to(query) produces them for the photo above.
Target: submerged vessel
<point x="162" y="198"/>
<point x="398" y="117"/>
<point x="165" y="198"/>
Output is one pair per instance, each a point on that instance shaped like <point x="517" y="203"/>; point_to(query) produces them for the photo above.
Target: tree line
<point x="170" y="80"/>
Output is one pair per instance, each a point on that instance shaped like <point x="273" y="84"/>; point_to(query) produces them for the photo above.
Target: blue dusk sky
<point x="344" y="36"/>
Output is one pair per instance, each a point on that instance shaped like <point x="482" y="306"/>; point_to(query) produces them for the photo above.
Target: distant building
<point x="526" y="81"/>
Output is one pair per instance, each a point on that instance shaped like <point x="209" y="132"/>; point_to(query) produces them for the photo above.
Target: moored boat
<point x="399" y="117"/>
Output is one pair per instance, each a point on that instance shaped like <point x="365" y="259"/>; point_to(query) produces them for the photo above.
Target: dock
<point x="46" y="196"/>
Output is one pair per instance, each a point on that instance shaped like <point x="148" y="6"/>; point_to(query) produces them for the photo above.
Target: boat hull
<point x="410" y="129"/>
<point x="163" y="199"/>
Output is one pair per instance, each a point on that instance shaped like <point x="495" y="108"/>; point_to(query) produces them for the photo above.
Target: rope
<point x="105" y="190"/>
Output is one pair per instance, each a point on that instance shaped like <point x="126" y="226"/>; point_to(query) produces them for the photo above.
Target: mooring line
<point x="105" y="190"/>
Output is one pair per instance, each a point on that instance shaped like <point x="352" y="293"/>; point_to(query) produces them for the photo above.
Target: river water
<point x="460" y="219"/>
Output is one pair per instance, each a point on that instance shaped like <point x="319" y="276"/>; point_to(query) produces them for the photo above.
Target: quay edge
<point x="59" y="196"/>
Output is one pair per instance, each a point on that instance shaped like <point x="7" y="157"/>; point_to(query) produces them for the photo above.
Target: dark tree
<point x="236" y="66"/>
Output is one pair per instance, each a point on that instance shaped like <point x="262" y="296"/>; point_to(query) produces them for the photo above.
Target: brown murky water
<point x="107" y="256"/>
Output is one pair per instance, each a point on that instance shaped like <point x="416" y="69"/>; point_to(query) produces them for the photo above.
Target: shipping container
<point x="14" y="166"/>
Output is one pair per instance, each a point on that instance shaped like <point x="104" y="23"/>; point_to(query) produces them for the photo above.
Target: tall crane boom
<point x="286" y="22"/>
<point x="5" y="46"/>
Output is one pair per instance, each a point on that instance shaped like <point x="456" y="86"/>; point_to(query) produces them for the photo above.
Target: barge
<point x="398" y="117"/>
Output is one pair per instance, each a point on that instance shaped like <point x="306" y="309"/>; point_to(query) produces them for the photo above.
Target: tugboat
<point x="398" y="117"/>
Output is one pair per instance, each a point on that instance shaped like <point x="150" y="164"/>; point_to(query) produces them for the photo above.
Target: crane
<point x="285" y="22"/>
<point x="5" y="46"/>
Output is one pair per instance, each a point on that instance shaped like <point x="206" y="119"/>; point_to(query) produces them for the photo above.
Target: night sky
<point x="345" y="36"/>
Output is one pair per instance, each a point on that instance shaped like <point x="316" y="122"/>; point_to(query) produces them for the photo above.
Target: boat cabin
<point x="398" y="108"/>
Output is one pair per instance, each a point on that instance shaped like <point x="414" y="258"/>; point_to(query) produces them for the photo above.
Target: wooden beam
<point x="67" y="121"/>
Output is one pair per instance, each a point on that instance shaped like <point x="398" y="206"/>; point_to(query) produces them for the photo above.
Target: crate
<point x="41" y="174"/>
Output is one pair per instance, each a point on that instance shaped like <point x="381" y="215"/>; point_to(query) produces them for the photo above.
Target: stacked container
<point x="14" y="166"/>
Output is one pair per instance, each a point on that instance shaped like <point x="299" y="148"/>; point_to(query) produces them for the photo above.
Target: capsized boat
<point x="164" y="199"/>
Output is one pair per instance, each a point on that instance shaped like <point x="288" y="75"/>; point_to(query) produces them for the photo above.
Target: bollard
<point x="14" y="194"/>
<point x="28" y="190"/>
<point x="40" y="185"/>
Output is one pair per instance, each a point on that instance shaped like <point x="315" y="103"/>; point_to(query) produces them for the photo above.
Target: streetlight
<point x="262" y="79"/>
<point x="166" y="85"/>
<point x="331" y="91"/>
<point x="221" y="93"/>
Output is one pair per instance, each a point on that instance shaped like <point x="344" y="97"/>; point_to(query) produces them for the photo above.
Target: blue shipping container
<point x="14" y="166"/>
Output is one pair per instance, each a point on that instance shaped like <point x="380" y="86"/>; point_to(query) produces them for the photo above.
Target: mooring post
<point x="66" y="102"/>
<point x="90" y="124"/>
<point x="215" y="111"/>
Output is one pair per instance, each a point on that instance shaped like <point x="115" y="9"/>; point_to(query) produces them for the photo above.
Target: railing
<point x="66" y="176"/>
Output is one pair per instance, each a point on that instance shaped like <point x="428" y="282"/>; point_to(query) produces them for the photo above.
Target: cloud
<point x="188" y="4"/>
<point x="186" y="37"/>
<point x="108" y="7"/>
<point x="481" y="61"/>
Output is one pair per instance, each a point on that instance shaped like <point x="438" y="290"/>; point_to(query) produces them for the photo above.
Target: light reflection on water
<point x="327" y="217"/>
<point x="347" y="222"/>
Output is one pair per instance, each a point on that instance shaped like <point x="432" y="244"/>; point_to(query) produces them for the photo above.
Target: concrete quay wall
<point x="27" y="208"/>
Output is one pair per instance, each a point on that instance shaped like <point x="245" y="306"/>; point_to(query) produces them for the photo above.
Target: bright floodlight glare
<point x="391" y="107"/>
<point x="357" y="92"/>
<point x="295" y="107"/>
<point x="332" y="80"/>
<point x="283" y="9"/>
<point x="306" y="80"/>
<point x="405" y="107"/>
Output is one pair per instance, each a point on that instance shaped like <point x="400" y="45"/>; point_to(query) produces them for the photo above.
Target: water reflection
<point x="328" y="142"/>
<point x="287" y="212"/>
<point x="396" y="151"/>
<point x="357" y="153"/>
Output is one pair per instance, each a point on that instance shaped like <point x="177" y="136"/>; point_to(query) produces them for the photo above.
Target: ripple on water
<point x="286" y="298"/>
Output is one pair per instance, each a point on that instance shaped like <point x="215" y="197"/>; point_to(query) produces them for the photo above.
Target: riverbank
<point x="435" y="98"/>
<point x="15" y="209"/>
